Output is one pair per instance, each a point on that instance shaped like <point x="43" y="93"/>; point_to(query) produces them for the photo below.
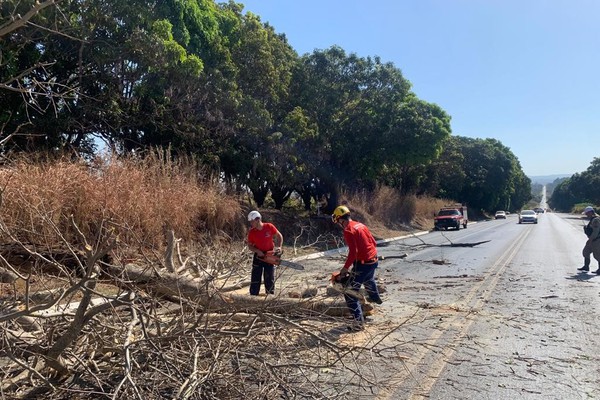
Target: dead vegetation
<point x="117" y="282"/>
<point x="161" y="334"/>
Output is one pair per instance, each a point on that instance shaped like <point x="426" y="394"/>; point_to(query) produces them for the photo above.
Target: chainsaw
<point x="274" y="258"/>
<point x="341" y="285"/>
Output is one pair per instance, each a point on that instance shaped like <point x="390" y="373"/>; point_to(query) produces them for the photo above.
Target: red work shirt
<point x="262" y="239"/>
<point x="361" y="244"/>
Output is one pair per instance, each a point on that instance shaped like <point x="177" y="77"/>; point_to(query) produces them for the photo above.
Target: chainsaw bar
<point x="275" y="259"/>
<point x="291" y="264"/>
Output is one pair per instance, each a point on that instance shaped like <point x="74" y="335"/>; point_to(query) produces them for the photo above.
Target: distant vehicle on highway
<point x="500" y="215"/>
<point x="451" y="217"/>
<point x="539" y="210"/>
<point x="528" y="216"/>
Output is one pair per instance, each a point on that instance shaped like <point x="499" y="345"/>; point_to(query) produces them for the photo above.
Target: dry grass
<point x="386" y="206"/>
<point x="139" y="199"/>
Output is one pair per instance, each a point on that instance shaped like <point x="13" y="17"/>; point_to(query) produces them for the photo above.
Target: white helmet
<point x="253" y="215"/>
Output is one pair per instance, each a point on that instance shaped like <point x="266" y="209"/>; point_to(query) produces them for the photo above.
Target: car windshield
<point x="528" y="212"/>
<point x="448" y="212"/>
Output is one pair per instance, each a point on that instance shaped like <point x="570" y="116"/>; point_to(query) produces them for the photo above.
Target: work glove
<point x="344" y="273"/>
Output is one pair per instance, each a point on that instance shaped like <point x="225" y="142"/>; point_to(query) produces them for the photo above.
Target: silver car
<point x="528" y="216"/>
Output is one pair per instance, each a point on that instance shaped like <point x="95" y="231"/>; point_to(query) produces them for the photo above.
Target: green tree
<point x="521" y="190"/>
<point x="562" y="198"/>
<point x="579" y="188"/>
<point x="415" y="140"/>
<point x="445" y="177"/>
<point x="372" y="127"/>
<point x="36" y="85"/>
<point x="263" y="64"/>
<point x="323" y="85"/>
<point x="493" y="178"/>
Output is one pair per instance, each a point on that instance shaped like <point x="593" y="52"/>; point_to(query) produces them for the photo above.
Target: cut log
<point x="333" y="306"/>
<point x="204" y="294"/>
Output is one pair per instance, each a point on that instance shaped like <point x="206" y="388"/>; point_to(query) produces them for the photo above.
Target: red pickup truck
<point x="451" y="217"/>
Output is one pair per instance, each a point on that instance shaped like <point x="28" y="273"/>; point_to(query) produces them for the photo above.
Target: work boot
<point x="356" y="326"/>
<point x="586" y="264"/>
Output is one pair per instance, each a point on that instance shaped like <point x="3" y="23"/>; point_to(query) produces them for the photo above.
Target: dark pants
<point x="362" y="274"/>
<point x="262" y="269"/>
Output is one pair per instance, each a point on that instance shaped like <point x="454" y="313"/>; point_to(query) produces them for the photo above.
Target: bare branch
<point x="18" y="21"/>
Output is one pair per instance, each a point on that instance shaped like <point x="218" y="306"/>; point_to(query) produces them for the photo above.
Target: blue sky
<point x="524" y="72"/>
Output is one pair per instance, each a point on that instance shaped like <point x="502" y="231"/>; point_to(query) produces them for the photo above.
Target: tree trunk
<point x="280" y="195"/>
<point x="306" y="194"/>
<point x="200" y="291"/>
<point x="259" y="195"/>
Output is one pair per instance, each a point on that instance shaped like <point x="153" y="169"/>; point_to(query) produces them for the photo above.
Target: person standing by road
<point x="362" y="257"/>
<point x="263" y="237"/>
<point x="592" y="245"/>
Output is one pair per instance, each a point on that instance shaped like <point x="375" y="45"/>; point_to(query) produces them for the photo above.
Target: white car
<point x="528" y="216"/>
<point x="500" y="215"/>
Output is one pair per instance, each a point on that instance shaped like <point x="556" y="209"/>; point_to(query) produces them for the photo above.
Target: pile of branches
<point x="76" y="323"/>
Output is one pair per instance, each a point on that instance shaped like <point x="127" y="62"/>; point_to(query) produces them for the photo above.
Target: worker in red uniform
<point x="362" y="257"/>
<point x="263" y="237"/>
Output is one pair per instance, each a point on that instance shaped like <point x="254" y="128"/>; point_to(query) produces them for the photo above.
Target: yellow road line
<point x="483" y="290"/>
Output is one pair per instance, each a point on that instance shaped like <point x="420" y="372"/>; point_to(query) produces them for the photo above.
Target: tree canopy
<point x="206" y="80"/>
<point x="583" y="187"/>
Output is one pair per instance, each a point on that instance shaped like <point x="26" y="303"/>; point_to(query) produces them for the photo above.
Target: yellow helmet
<point x="340" y="211"/>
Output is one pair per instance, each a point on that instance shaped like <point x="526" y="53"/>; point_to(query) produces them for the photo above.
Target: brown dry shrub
<point x="142" y="198"/>
<point x="38" y="198"/>
<point x="425" y="208"/>
<point x="394" y="210"/>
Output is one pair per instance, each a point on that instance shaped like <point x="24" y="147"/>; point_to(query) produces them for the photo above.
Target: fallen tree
<point x="177" y="332"/>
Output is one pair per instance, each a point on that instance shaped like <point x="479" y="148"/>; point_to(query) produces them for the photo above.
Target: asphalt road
<point x="502" y="314"/>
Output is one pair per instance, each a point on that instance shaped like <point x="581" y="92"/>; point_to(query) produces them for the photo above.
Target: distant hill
<point x="544" y="179"/>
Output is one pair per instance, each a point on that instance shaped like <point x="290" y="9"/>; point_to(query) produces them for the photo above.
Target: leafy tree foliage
<point x="208" y="80"/>
<point x="582" y="187"/>
<point x="418" y="137"/>
<point x="39" y="77"/>
<point x="372" y="128"/>
<point x="550" y="186"/>
<point x="490" y="176"/>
